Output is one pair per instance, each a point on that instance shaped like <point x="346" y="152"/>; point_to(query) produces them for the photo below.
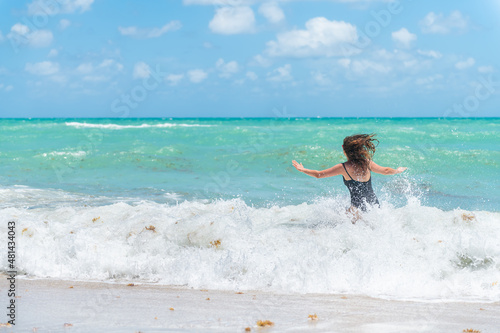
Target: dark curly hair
<point x="360" y="148"/>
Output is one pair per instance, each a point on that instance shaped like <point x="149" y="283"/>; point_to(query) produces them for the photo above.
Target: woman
<point x="359" y="150"/>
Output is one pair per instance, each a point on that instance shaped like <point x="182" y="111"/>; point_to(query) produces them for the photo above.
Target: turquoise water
<point x="216" y="204"/>
<point x="451" y="162"/>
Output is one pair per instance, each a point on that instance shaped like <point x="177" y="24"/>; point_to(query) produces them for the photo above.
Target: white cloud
<point x="7" y="88"/>
<point x="430" y="53"/>
<point x="40" y="38"/>
<point x="174" y="79"/>
<point x="439" y="24"/>
<point x="63" y="24"/>
<point x="197" y="75"/>
<point x="128" y="31"/>
<point x="465" y="64"/>
<point x="71" y="6"/>
<point x="226" y="69"/>
<point x="59" y="79"/>
<point x="53" y="53"/>
<point x="344" y="62"/>
<point x="219" y="2"/>
<point x="21" y="34"/>
<point x="321" y="79"/>
<point x="381" y="68"/>
<point x="44" y="7"/>
<point x="386" y="55"/>
<point x="42" y="68"/>
<point x="403" y="37"/>
<point x="107" y="68"/>
<point x="259" y="60"/>
<point x="320" y="38"/>
<point x="410" y="63"/>
<point x="362" y="67"/>
<point x="429" y="79"/>
<point x="95" y="78"/>
<point x="239" y="81"/>
<point x="20" y="29"/>
<point x="252" y="76"/>
<point x="141" y="71"/>
<point x="107" y="63"/>
<point x="233" y="20"/>
<point x="485" y="69"/>
<point x="272" y="12"/>
<point x="150" y="32"/>
<point x="85" y="68"/>
<point x="281" y="74"/>
<point x="252" y="2"/>
<point x="110" y="63"/>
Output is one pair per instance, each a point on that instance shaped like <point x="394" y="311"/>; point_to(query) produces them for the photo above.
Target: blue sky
<point x="249" y="58"/>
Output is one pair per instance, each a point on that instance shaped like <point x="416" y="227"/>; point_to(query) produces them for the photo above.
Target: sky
<point x="249" y="58"/>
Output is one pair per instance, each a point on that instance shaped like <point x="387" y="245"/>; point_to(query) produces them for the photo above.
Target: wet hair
<point x="360" y="148"/>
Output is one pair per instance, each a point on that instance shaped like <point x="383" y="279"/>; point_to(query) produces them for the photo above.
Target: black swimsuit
<point x="361" y="192"/>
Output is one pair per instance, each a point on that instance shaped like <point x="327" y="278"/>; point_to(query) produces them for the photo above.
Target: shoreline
<point x="253" y="118"/>
<point x="77" y="306"/>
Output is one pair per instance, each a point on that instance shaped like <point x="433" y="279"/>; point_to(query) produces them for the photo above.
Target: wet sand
<point x="70" y="306"/>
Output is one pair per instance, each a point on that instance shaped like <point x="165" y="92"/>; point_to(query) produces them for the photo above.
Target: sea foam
<point x="412" y="252"/>
<point x="118" y="127"/>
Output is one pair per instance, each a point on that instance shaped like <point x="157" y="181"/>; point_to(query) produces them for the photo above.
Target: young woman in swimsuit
<point x="359" y="150"/>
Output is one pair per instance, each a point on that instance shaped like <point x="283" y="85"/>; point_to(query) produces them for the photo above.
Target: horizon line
<point x="205" y="118"/>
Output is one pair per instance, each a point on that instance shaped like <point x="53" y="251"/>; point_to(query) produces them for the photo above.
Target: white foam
<point x="30" y="198"/>
<point x="118" y="127"/>
<point x="80" y="153"/>
<point x="413" y="252"/>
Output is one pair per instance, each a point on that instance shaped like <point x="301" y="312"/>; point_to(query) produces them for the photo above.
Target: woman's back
<point x="360" y="188"/>
<point x="354" y="172"/>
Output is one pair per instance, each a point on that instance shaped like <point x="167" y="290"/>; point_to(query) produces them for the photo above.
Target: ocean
<point x="217" y="204"/>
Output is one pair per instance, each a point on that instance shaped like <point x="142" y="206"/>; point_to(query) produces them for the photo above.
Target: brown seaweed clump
<point x="265" y="323"/>
<point x="313" y="317"/>
<point x="468" y="217"/>
<point x="151" y="228"/>
<point x="215" y="243"/>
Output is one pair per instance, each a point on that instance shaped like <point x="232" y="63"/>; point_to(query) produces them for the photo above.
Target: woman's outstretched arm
<point x="333" y="171"/>
<point x="385" y="170"/>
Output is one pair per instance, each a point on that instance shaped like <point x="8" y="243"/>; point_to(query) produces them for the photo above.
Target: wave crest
<point x="409" y="252"/>
<point x="119" y="127"/>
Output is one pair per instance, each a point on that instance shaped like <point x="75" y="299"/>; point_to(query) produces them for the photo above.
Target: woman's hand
<point x="400" y="169"/>
<point x="298" y="166"/>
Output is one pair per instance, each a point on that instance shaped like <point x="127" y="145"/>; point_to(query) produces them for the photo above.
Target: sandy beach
<point x="251" y="166"/>
<point x="70" y="306"/>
